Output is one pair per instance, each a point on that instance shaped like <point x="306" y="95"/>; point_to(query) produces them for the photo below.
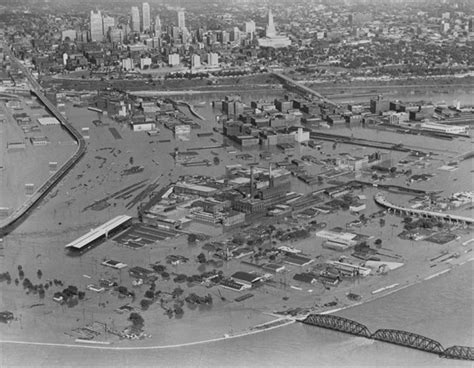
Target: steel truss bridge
<point x="398" y="337"/>
<point x="408" y="339"/>
<point x="459" y="352"/>
<point x="338" y="324"/>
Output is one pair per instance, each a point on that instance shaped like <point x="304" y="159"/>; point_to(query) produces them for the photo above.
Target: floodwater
<point x="440" y="308"/>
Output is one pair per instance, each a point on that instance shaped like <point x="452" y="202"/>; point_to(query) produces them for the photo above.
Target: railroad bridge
<point x="459" y="352"/>
<point x="408" y="339"/>
<point x="338" y="323"/>
<point x="398" y="337"/>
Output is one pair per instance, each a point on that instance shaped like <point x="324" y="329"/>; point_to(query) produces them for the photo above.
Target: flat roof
<point x="48" y="121"/>
<point x="245" y="276"/>
<point x="197" y="187"/>
<point x="96" y="233"/>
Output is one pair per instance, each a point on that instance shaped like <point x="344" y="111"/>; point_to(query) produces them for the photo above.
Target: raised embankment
<point x="21" y="213"/>
<point x="398" y="337"/>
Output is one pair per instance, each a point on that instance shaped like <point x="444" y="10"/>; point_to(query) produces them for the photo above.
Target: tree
<point x="178" y="311"/>
<point x="378" y="243"/>
<point x="192" y="238"/>
<point x="149" y="294"/>
<point x="159" y="268"/>
<point x="177" y="292"/>
<point x="39" y="274"/>
<point x="201" y="258"/>
<point x="137" y="320"/>
<point x="216" y="160"/>
<point x="145" y="303"/>
<point x="72" y="302"/>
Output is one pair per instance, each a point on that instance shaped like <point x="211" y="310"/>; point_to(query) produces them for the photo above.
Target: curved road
<point x="20" y="214"/>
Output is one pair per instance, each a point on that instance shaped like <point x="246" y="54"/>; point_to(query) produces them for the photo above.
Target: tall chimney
<point x="270" y="176"/>
<point x="251" y="182"/>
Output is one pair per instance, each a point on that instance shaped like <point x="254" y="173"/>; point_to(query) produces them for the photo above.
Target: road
<point x="20" y="214"/>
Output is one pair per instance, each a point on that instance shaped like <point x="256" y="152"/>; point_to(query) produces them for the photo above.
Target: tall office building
<point x="235" y="34"/>
<point x="157" y="26"/>
<point x="270" y="30"/>
<point x="181" y="21"/>
<point x="146" y="17"/>
<point x="135" y="19"/>
<point x="107" y="22"/>
<point x="97" y="34"/>
<point x="250" y="28"/>
<point x="272" y="38"/>
<point x="212" y="59"/>
<point x="195" y="61"/>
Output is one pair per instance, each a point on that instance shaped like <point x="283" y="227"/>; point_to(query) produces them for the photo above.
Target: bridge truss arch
<point x="408" y="339"/>
<point x="459" y="352"/>
<point x="338" y="324"/>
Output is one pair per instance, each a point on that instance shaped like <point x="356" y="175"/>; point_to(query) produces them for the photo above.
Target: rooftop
<point x="96" y="233"/>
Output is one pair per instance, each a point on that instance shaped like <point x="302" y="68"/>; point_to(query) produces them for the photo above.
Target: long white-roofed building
<point x="97" y="235"/>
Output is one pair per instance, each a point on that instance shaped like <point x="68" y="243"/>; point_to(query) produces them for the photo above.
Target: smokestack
<point x="251" y="182"/>
<point x="270" y="176"/>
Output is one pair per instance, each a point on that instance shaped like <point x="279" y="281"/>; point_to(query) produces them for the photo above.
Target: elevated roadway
<point x="301" y="87"/>
<point x="21" y="213"/>
<point x="381" y="201"/>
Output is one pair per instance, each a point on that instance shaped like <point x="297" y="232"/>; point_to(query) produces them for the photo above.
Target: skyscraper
<point x="270" y="31"/>
<point x="146" y="17"/>
<point x="157" y="26"/>
<point x="272" y="38"/>
<point x="107" y="22"/>
<point x="96" y="27"/>
<point x="250" y="27"/>
<point x="181" y="21"/>
<point x="135" y="19"/>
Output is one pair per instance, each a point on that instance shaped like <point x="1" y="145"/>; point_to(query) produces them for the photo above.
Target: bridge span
<point x="408" y="339"/>
<point x="20" y="214"/>
<point x="398" y="337"/>
<point x="459" y="352"/>
<point x="302" y="88"/>
<point x="338" y="324"/>
<point x="381" y="201"/>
